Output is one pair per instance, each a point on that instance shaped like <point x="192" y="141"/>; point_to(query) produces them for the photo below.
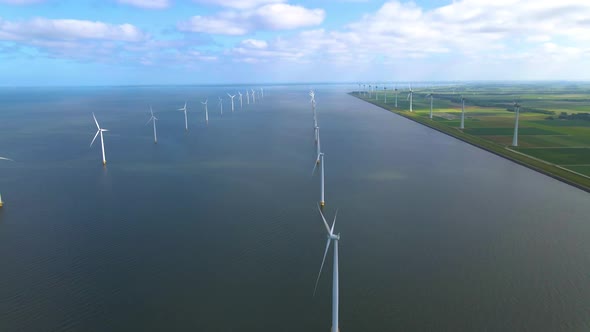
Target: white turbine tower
<point x="321" y="163"/>
<point x="335" y="278"/>
<point x="261" y="93"/>
<point x="1" y="202"/>
<point x="232" y="101"/>
<point x="241" y="104"/>
<point x="153" y="119"/>
<point x="517" y="113"/>
<point x="385" y="92"/>
<point x="410" y="97"/>
<point x="253" y="96"/>
<point x="248" y="96"/>
<point x="206" y="111"/>
<point x="220" y="105"/>
<point x="396" y="97"/>
<point x="462" y="112"/>
<point x="185" y="117"/>
<point x="431" y="95"/>
<point x="99" y="131"/>
<point x="376" y="93"/>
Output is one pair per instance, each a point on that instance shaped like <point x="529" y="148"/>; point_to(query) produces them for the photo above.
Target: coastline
<point x="541" y="166"/>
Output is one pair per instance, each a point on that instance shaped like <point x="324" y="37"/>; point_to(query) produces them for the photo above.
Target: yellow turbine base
<point x="1" y="204"/>
<point x="104" y="163"/>
<point x="322" y="203"/>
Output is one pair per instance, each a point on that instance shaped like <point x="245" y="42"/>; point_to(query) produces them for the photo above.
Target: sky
<point x="136" y="42"/>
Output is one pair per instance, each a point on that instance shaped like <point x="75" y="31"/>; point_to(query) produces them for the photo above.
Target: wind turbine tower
<point x="517" y="113"/>
<point x="410" y="97"/>
<point x="185" y="116"/>
<point x="431" y="101"/>
<point x="335" y="278"/>
<point x="462" y="112"/>
<point x="153" y="119"/>
<point x="232" y="101"/>
<point x="100" y="131"/>
<point x="1" y="202"/>
<point x="206" y="111"/>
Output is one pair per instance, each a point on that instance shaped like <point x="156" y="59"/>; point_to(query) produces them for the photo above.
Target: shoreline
<point x="554" y="171"/>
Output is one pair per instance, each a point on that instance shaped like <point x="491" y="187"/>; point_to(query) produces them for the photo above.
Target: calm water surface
<point x="217" y="229"/>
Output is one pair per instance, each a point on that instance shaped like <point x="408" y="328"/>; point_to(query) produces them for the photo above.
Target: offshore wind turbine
<point x="385" y="92"/>
<point x="395" y="96"/>
<point x="206" y="111"/>
<point x="1" y="202"/>
<point x="232" y="101"/>
<point x="220" y="105"/>
<point x="99" y="131"/>
<point x="241" y="104"/>
<point x="431" y="95"/>
<point x="247" y="96"/>
<point x="320" y="158"/>
<point x="153" y="119"/>
<point x="253" y="96"/>
<point x="335" y="277"/>
<point x="462" y="112"/>
<point x="185" y="117"/>
<point x="376" y="93"/>
<point x="261" y="93"/>
<point x="410" y="96"/>
<point x="517" y="113"/>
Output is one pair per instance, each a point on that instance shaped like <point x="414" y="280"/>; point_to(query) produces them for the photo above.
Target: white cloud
<point x="148" y="4"/>
<point x="275" y="16"/>
<point x="254" y="43"/>
<point x="239" y="4"/>
<point x="68" y="30"/>
<point x="456" y="41"/>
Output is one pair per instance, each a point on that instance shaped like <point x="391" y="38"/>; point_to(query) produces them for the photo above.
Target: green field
<point x="554" y="122"/>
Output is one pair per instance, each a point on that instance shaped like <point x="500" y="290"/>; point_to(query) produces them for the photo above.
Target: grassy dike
<point x="538" y="165"/>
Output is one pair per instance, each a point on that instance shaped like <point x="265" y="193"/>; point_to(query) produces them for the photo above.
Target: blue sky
<point x="111" y="42"/>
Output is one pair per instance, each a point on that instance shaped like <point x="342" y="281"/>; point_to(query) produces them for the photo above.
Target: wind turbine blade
<point x="6" y="159"/>
<point x="322" y="266"/>
<point x="324" y="219"/>
<point x="408" y="98"/>
<point x="97" y="126"/>
<point x="148" y="121"/>
<point x="315" y="164"/>
<point x="98" y="132"/>
<point x="332" y="230"/>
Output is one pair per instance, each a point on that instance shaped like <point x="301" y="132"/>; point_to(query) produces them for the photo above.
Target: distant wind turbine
<point x="410" y="96"/>
<point x="153" y="119"/>
<point x="376" y="93"/>
<point x="241" y="104"/>
<point x="220" y="105"/>
<point x="232" y="101"/>
<point x="1" y="202"/>
<point x="248" y="96"/>
<point x="261" y="93"/>
<point x="335" y="278"/>
<point x="431" y="95"/>
<point x="462" y="112"/>
<point x="395" y="96"/>
<point x="517" y="113"/>
<point x="385" y="92"/>
<point x="185" y="117"/>
<point x="206" y="111"/>
<point x="99" y="131"/>
<point x="253" y="96"/>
